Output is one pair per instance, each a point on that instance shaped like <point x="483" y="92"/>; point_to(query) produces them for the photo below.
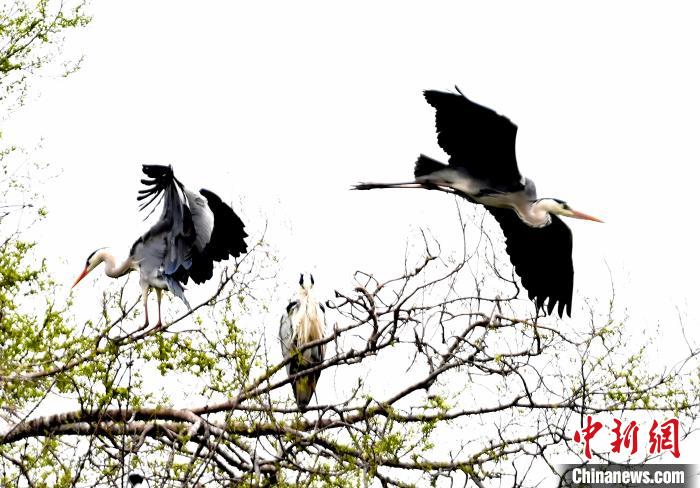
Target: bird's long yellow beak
<point x="583" y="216"/>
<point x="82" y="275"/>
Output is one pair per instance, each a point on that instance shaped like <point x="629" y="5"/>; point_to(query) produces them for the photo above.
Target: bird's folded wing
<point x="286" y="337"/>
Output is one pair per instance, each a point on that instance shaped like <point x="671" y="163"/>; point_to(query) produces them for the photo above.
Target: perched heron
<point x="193" y="231"/>
<point x="302" y="323"/>
<point x="483" y="169"/>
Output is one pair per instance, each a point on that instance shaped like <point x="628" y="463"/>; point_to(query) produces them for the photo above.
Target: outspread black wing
<point x="542" y="259"/>
<point x="227" y="239"/>
<point x="477" y="139"/>
<point x="193" y="231"/>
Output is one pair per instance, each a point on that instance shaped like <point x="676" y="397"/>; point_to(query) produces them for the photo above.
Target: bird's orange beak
<point x="583" y="216"/>
<point x="82" y="275"/>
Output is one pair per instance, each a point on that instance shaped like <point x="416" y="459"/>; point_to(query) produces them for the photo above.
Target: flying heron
<point x="302" y="323"/>
<point x="193" y="231"/>
<point x="483" y="169"/>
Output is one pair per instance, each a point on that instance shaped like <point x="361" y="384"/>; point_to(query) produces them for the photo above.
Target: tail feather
<point x="177" y="290"/>
<point x="304" y="389"/>
<point x="425" y="166"/>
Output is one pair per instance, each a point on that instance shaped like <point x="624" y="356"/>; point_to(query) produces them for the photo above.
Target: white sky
<point x="281" y="106"/>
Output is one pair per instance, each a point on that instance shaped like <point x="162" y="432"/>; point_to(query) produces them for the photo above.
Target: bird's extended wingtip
<point x="437" y="98"/>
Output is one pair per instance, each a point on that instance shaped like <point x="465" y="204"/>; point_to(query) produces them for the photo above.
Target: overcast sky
<point x="279" y="107"/>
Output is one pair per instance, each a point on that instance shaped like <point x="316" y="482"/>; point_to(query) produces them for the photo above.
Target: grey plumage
<point x="193" y="231"/>
<point x="483" y="169"/>
<point x="303" y="322"/>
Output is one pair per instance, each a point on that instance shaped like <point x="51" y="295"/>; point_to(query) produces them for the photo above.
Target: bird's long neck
<point x="309" y="327"/>
<point x="111" y="268"/>
<point x="534" y="214"/>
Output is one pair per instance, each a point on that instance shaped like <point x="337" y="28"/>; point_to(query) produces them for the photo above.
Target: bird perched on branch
<point x="483" y="169"/>
<point x="193" y="231"/>
<point x="303" y="323"/>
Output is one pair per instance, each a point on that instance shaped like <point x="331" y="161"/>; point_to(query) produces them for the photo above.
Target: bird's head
<point x="560" y="207"/>
<point x="306" y="282"/>
<point x="92" y="261"/>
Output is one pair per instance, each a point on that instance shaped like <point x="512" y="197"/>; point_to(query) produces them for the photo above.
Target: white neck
<point x="535" y="214"/>
<point x="111" y="268"/>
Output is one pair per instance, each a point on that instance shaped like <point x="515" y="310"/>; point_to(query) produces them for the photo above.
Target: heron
<point x="302" y="323"/>
<point x="194" y="230"/>
<point x="482" y="168"/>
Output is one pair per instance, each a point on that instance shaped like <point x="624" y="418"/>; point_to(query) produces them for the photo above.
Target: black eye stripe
<point x="87" y="261"/>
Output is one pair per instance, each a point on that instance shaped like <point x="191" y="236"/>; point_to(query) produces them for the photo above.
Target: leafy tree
<point x="437" y="375"/>
<point x="31" y="38"/>
<point x="430" y="377"/>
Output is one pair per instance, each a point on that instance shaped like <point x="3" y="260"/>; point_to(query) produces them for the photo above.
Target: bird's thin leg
<point x="144" y="295"/>
<point x="159" y="294"/>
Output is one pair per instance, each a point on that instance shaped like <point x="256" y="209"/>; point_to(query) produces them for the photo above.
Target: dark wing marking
<point x="187" y="254"/>
<point x="477" y="139"/>
<point x="227" y="239"/>
<point x="542" y="259"/>
<point x="228" y="235"/>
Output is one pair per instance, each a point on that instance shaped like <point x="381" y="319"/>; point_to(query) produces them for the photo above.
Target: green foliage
<point x="226" y="409"/>
<point x="31" y="37"/>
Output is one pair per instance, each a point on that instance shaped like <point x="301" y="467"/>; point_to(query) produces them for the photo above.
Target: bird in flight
<point x="303" y="322"/>
<point x="193" y="231"/>
<point x="483" y="169"/>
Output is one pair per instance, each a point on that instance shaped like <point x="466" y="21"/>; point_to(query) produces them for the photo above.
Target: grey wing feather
<point x="286" y="333"/>
<point x="149" y="251"/>
<point x="181" y="235"/>
<point x="202" y="218"/>
<point x="199" y="228"/>
<point x="185" y="215"/>
<point x="177" y="290"/>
